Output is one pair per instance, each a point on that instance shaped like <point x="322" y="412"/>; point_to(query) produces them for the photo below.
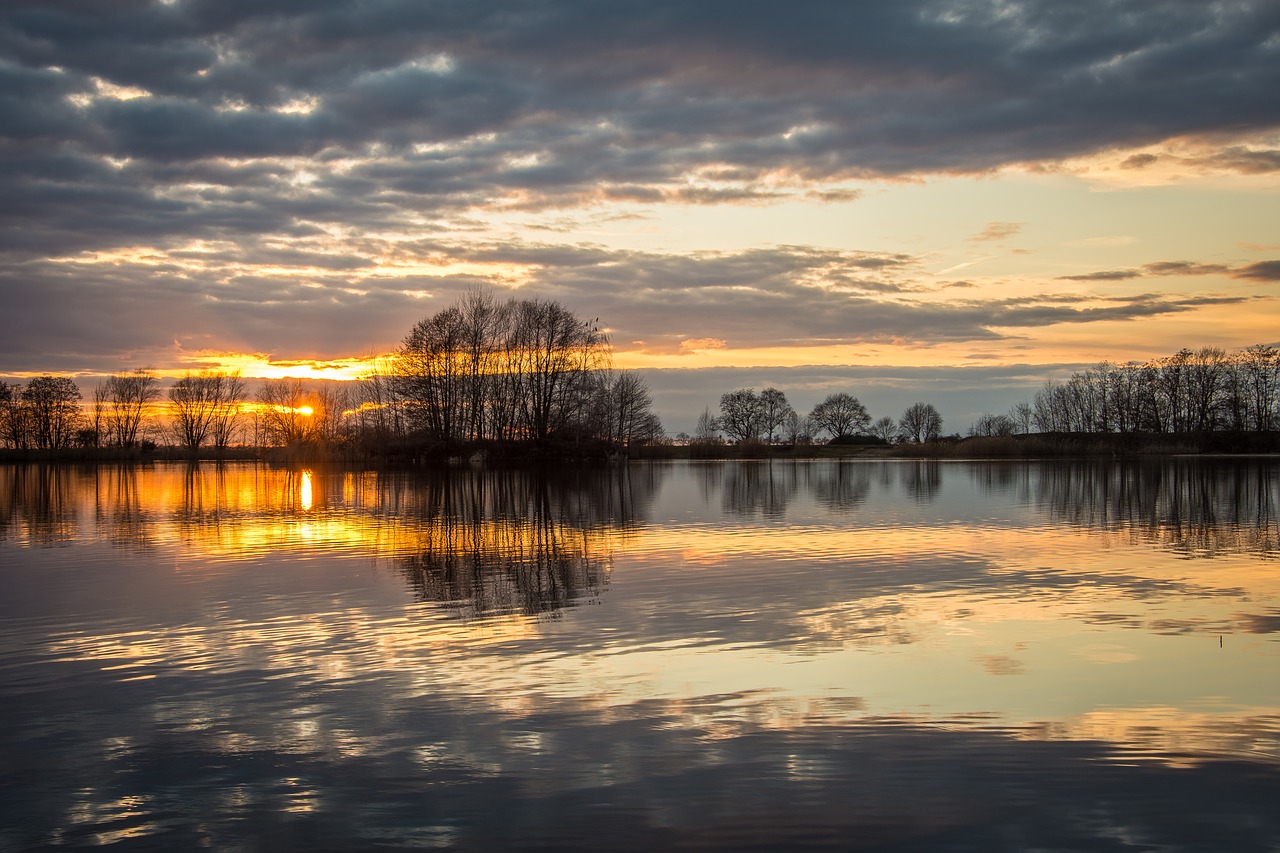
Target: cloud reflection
<point x="796" y="653"/>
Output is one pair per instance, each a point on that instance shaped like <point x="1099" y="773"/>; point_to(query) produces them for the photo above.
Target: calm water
<point x="858" y="655"/>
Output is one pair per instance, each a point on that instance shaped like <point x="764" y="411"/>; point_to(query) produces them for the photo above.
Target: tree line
<point x="1192" y="391"/>
<point x="481" y="372"/>
<point x="746" y="416"/>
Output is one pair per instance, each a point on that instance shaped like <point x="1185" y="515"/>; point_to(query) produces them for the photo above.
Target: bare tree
<point x="840" y="415"/>
<point x="774" y="410"/>
<point x="886" y="428"/>
<point x="796" y="428"/>
<point x="127" y="398"/>
<point x="741" y="415"/>
<point x="625" y="402"/>
<point x="1021" y="415"/>
<point x="191" y="408"/>
<point x="1259" y="384"/>
<point x="330" y="406"/>
<point x="708" y="429"/>
<point x="205" y="408"/>
<point x="53" y="405"/>
<point x="285" y="411"/>
<point x="993" y="425"/>
<point x="920" y="423"/>
<point x="15" y="417"/>
<point x="228" y="407"/>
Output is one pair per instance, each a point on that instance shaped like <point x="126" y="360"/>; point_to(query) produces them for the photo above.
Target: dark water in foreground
<point x="854" y="656"/>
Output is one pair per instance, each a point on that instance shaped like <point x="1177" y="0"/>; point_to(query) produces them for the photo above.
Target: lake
<point x="845" y="655"/>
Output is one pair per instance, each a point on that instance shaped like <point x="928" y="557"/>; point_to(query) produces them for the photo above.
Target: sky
<point x="951" y="202"/>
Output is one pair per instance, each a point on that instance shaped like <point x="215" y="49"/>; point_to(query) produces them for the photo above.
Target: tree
<point x="1259" y="384"/>
<point x="993" y="425"/>
<point x="481" y="370"/>
<point x="53" y="405"/>
<point x="205" y="408"/>
<point x="125" y="398"/>
<point x="228" y="397"/>
<point x="624" y="403"/>
<point x="741" y="415"/>
<point x="556" y="353"/>
<point x="1021" y="415"/>
<point x="430" y="373"/>
<point x="886" y="429"/>
<point x="708" y="429"/>
<point x="840" y="415"/>
<point x="920" y="423"/>
<point x="774" y="411"/>
<point x="15" y="419"/>
<point x="796" y="428"/>
<point x="285" y="411"/>
<point x="191" y="410"/>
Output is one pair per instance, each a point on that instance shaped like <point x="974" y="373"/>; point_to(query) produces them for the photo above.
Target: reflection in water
<point x="1199" y="509"/>
<point x="922" y="478"/>
<point x="485" y="543"/>
<point x="887" y="655"/>
<point x="509" y="542"/>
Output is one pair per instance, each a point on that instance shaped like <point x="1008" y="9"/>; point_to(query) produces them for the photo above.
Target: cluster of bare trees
<point x="746" y="416"/>
<point x="520" y="370"/>
<point x="480" y="371"/>
<point x="1203" y="390"/>
<point x="42" y="415"/>
<point x="126" y="411"/>
<point x="120" y="405"/>
<point x="205" y="409"/>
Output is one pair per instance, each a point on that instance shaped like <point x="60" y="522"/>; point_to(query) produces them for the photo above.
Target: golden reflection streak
<point x="304" y="492"/>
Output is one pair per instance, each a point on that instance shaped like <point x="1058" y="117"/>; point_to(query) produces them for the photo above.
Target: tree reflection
<point x="922" y="479"/>
<point x="844" y="487"/>
<point x="514" y="542"/>
<point x="37" y="502"/>
<point x="1198" y="508"/>
<point x="118" y="506"/>
<point x="764" y="488"/>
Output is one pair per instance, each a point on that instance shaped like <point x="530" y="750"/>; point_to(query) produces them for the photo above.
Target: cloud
<point x="1103" y="275"/>
<point x="997" y="231"/>
<point x="282" y="299"/>
<point x="279" y="175"/>
<point x="1259" y="271"/>
<point x="461" y="101"/>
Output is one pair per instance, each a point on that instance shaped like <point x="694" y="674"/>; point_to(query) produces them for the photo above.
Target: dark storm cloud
<point x="181" y="144"/>
<point x="623" y="100"/>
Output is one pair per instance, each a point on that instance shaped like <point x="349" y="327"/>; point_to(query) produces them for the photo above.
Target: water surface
<point x="777" y="655"/>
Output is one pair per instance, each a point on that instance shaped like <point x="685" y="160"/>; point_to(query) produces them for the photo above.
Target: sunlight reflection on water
<point x="962" y="656"/>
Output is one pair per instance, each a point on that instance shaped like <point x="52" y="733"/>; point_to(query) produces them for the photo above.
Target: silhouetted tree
<point x="774" y="411"/>
<point x="920" y="423"/>
<point x="15" y="417"/>
<point x="53" y="405"/>
<point x="741" y="415"/>
<point x="840" y="415"/>
<point x="125" y="398"/>
<point x="886" y="428"/>
<point x="285" y="412"/>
